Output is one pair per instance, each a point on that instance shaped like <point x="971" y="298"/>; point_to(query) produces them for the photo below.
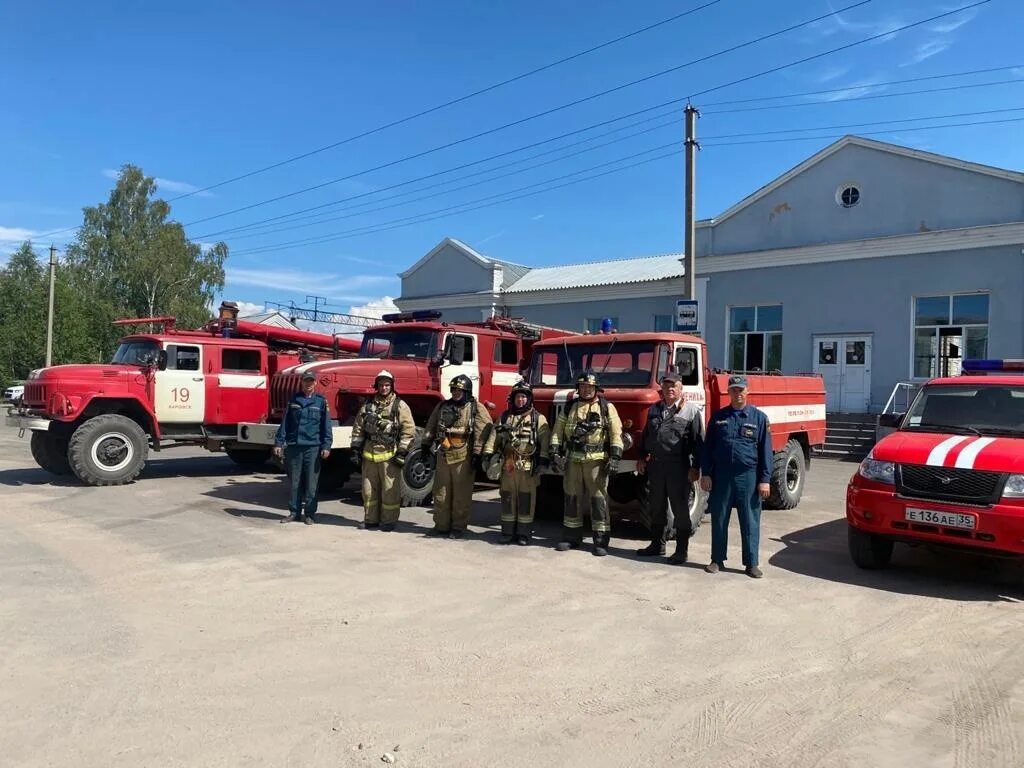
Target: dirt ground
<point x="174" y="622"/>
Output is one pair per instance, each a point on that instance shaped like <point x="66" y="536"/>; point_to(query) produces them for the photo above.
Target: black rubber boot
<point x="601" y="544"/>
<point x="654" y="549"/>
<point x="682" y="549"/>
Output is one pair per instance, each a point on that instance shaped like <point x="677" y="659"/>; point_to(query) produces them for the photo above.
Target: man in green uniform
<point x="381" y="435"/>
<point x="587" y="444"/>
<point x="521" y="451"/>
<point x="459" y="432"/>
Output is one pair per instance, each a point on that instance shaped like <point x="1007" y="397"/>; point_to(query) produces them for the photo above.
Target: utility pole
<point x="689" y="244"/>
<point x="317" y="301"/>
<point x="49" y="317"/>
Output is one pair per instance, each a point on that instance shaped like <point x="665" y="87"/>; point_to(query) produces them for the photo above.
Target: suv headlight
<point x="1014" y="488"/>
<point x="879" y="471"/>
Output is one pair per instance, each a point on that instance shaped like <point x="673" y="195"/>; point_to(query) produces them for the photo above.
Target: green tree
<point x="133" y="262"/>
<point x="23" y="297"/>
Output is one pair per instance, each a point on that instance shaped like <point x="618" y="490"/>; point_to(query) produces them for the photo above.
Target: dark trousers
<point x="304" y="473"/>
<point x="735" y="489"/>
<point x="668" y="484"/>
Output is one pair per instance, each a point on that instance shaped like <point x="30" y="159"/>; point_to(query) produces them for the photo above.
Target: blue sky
<point x="195" y="93"/>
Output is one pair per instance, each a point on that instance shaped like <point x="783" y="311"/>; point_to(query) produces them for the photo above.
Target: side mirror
<point x="892" y="420"/>
<point x="161" y="360"/>
<point x="456" y="349"/>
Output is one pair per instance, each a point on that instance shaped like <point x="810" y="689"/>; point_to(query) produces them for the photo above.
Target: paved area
<point x="174" y="622"/>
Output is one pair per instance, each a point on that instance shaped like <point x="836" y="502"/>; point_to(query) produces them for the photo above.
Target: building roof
<point x="881" y="146"/>
<point x="274" y="318"/>
<point x="619" y="271"/>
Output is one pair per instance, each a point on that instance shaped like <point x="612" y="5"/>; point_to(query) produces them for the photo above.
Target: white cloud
<point x="339" y="287"/>
<point x="249" y="308"/>
<point x="828" y="74"/>
<point x="538" y="217"/>
<point x="16" y="234"/>
<point x="376" y="309"/>
<point x="487" y="239"/>
<point x="927" y="49"/>
<point x="168" y="185"/>
<point x="859" y="88"/>
<point x="953" y="23"/>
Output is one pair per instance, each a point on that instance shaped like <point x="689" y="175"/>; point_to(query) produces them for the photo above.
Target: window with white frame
<point x="755" y="338"/>
<point x="664" y="323"/>
<point x="594" y="323"/>
<point x="948" y="329"/>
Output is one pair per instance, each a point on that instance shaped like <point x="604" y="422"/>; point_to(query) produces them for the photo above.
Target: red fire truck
<point x="951" y="475"/>
<point x="162" y="388"/>
<point x="630" y="367"/>
<point x="424" y="354"/>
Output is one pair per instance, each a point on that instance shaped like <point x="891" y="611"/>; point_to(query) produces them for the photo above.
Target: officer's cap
<point x="309" y="376"/>
<point x="671" y="377"/>
<point x="737" y="382"/>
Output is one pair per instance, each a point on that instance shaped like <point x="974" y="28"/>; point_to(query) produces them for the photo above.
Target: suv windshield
<point x="977" y="408"/>
<point x="409" y="343"/>
<point x="135" y="352"/>
<point x="623" y="364"/>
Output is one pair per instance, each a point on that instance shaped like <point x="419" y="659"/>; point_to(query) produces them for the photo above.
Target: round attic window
<point x="848" y="195"/>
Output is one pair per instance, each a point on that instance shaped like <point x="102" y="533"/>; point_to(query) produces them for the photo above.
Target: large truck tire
<point x="789" y="470"/>
<point x="336" y="471"/>
<point x="250" y="458"/>
<point x="50" y="452"/>
<point x="108" y="450"/>
<point x="417" y="472"/>
<point x="868" y="551"/>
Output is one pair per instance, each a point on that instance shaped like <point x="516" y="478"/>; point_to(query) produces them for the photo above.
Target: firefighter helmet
<point x="520" y="387"/>
<point x="588" y="377"/>
<point x="385" y="374"/>
<point x="463" y="382"/>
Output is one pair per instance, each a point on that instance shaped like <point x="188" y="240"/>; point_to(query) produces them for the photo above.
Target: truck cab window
<point x="469" y="357"/>
<point x="182" y="358"/>
<point x="135" y="352"/>
<point x="247" y="360"/>
<point x="686" y="366"/>
<point x="506" y="352"/>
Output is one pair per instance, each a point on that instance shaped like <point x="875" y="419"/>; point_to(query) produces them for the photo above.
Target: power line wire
<point x="570" y="104"/>
<point x="276" y="230"/>
<point x="961" y="87"/>
<point x="295" y="215"/>
<point x="676" y="119"/>
<point x="452" y="102"/>
<point x="418" y="218"/>
<point x="858" y="87"/>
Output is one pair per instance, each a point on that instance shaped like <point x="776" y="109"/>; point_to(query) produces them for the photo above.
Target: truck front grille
<point x="965" y="486"/>
<point x="35" y="395"/>
<point x="282" y="387"/>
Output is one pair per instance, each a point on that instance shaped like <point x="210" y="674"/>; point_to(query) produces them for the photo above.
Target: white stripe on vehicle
<point x="242" y="381"/>
<point x="937" y="457"/>
<point x="784" y="414"/>
<point x="504" y="378"/>
<point x="969" y="454"/>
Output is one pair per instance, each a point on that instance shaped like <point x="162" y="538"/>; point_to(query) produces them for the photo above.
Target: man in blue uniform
<point x="736" y="466"/>
<point x="304" y="439"/>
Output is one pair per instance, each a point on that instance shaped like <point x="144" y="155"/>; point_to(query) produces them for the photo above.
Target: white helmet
<point x="385" y="374"/>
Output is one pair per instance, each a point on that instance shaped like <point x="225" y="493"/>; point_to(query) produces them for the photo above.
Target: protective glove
<point x="399" y="458"/>
<point x="356" y="455"/>
<point x="614" y="457"/>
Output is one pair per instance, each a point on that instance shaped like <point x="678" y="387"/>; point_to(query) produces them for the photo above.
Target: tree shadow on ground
<point x="820" y="551"/>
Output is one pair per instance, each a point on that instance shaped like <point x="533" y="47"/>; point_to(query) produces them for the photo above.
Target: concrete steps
<point x="848" y="436"/>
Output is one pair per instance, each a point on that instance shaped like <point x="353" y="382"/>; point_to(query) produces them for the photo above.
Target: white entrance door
<point x="181" y="387"/>
<point x="844" y="363"/>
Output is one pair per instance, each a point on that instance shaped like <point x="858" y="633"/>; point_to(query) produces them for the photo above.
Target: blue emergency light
<point x="992" y="366"/>
<point x="421" y="314"/>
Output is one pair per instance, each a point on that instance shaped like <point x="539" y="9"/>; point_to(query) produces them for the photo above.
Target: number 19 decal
<point x="180" y="394"/>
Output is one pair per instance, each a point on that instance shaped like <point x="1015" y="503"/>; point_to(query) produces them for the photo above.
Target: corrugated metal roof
<point x="618" y="272"/>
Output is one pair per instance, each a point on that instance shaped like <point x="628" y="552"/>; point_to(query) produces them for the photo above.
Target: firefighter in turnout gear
<point x="381" y="435"/>
<point x="459" y="433"/>
<point x="587" y="443"/>
<point x="521" y="451"/>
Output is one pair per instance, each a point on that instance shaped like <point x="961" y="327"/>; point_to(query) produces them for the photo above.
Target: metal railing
<point x="908" y="390"/>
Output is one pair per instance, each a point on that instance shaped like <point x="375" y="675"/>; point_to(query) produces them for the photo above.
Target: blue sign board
<point x="686" y="315"/>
